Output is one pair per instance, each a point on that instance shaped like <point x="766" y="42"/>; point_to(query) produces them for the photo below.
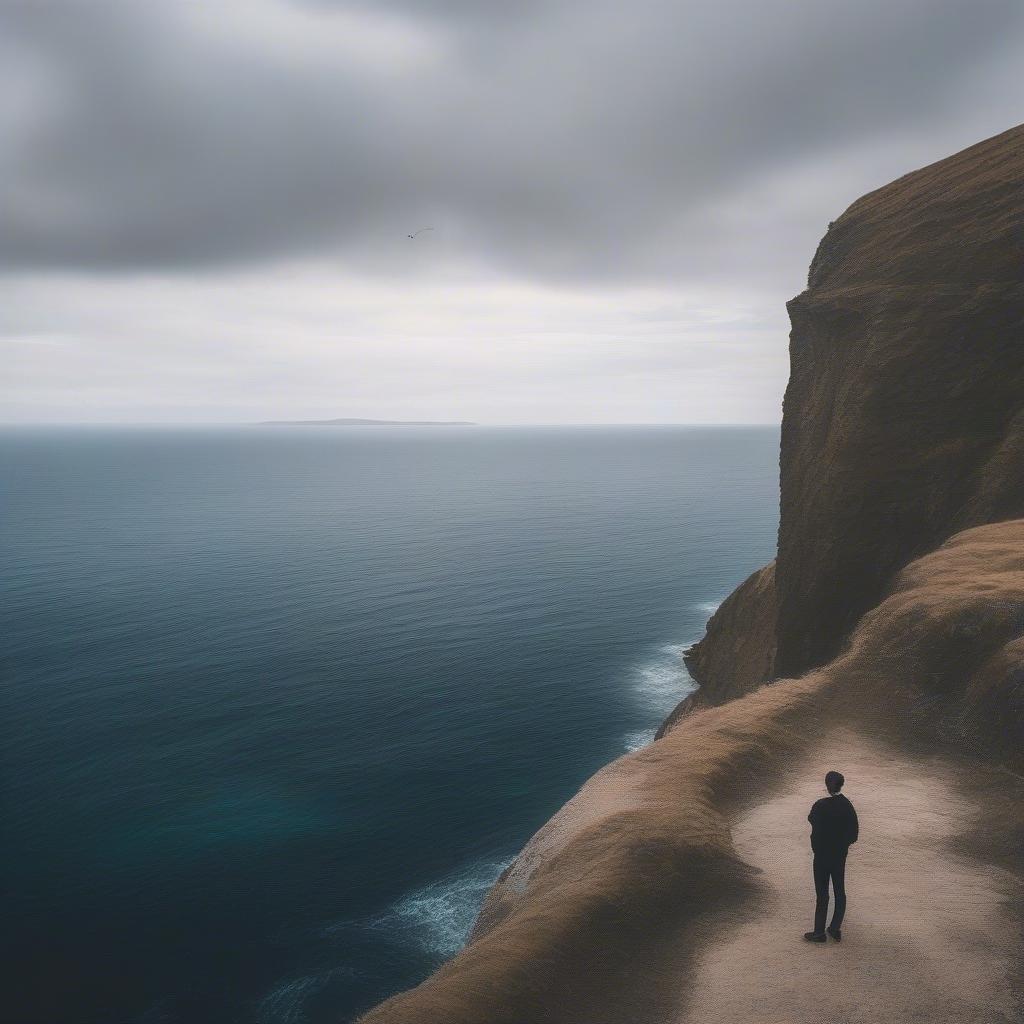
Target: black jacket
<point x="833" y="826"/>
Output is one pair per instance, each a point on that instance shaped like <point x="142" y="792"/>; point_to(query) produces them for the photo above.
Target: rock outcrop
<point x="737" y="653"/>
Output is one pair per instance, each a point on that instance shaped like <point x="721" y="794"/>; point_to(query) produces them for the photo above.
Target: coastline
<point x="604" y="914"/>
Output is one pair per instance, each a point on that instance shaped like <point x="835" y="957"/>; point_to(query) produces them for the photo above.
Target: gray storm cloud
<point x="204" y="206"/>
<point x="560" y="139"/>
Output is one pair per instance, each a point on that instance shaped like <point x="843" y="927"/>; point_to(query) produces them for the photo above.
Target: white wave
<point x="437" y="917"/>
<point x="639" y="740"/>
<point x="285" y="1004"/>
<point x="663" y="681"/>
<point x="709" y="607"/>
<point x="659" y="685"/>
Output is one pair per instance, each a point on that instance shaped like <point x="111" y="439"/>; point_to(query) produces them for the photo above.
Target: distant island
<point x="366" y="423"/>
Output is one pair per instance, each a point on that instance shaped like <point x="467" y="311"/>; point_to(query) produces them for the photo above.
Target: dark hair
<point x="834" y="781"/>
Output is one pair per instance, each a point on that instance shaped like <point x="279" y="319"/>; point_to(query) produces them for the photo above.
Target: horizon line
<point x="390" y="423"/>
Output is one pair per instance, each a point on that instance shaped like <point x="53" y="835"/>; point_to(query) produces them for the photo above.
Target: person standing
<point x="834" y="828"/>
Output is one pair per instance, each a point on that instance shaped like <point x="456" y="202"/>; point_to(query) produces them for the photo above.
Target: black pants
<point x="828" y="866"/>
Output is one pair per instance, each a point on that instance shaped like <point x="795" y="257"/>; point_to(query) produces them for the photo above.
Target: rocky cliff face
<point x="904" y="415"/>
<point x="903" y="421"/>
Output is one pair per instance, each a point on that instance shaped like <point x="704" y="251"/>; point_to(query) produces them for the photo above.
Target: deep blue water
<point x="279" y="704"/>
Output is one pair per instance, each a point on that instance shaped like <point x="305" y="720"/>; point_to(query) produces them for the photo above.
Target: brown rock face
<point x="904" y="416"/>
<point x="738" y="651"/>
<point x="903" y="421"/>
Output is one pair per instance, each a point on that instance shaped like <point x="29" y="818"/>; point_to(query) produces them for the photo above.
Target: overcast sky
<point x="204" y="205"/>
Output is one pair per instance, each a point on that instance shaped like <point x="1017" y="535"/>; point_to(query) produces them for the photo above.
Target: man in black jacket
<point x="834" y="829"/>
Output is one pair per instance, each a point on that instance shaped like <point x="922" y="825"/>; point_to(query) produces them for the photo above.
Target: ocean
<point x="279" y="704"/>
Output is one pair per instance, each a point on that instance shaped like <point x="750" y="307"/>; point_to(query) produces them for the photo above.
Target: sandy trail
<point x="928" y="935"/>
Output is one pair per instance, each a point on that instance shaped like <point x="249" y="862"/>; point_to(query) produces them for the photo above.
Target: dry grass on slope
<point x="947" y="643"/>
<point x="644" y="854"/>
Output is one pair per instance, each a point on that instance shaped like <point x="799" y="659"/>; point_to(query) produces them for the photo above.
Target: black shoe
<point x="835" y="933"/>
<point x="815" y="937"/>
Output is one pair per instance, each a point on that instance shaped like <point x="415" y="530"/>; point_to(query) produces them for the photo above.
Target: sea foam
<point x="286" y="1003"/>
<point x="436" y="917"/>
<point x="659" y="684"/>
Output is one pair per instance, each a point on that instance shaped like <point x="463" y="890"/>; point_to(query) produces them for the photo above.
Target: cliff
<point x="903" y="420"/>
<point x="898" y="593"/>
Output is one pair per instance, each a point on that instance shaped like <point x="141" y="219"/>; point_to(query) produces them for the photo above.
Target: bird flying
<point x="415" y="233"/>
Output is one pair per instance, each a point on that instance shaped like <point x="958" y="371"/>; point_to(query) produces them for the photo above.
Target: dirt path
<point x="928" y="935"/>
